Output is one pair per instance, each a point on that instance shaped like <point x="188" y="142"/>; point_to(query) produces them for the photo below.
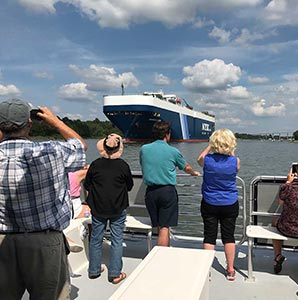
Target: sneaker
<point x="230" y="275"/>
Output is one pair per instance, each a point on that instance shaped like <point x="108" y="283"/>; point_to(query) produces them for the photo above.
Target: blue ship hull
<point x="136" y="121"/>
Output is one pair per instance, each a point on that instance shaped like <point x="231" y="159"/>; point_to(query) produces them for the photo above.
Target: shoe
<point x="278" y="261"/>
<point x="116" y="280"/>
<point x="230" y="275"/>
<point x="73" y="247"/>
<point x="94" y="276"/>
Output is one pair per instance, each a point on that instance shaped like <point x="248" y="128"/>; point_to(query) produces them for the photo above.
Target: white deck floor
<point x="267" y="285"/>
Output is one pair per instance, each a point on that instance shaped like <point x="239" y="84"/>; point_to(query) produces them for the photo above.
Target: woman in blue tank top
<point x="220" y="195"/>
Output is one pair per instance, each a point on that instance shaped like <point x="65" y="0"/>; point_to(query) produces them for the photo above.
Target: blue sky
<point x="234" y="58"/>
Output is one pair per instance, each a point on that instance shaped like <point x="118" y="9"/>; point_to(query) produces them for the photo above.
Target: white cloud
<point x="258" y="79"/>
<point x="261" y="110"/>
<point x="220" y="34"/>
<point x="105" y="79"/>
<point x="238" y="92"/>
<point x="123" y="13"/>
<point x="230" y="120"/>
<point x="202" y="22"/>
<point x="76" y="92"/>
<point x="43" y="75"/>
<point x="40" y="6"/>
<point x="209" y="75"/>
<point x="9" y="90"/>
<point x="246" y="37"/>
<point x="282" y="12"/>
<point x="291" y="77"/>
<point x="73" y="116"/>
<point x="160" y="79"/>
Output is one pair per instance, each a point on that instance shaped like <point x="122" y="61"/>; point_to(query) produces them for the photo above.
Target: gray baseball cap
<point x="14" y="111"/>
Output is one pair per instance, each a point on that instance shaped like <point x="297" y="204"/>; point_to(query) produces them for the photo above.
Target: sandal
<point x="279" y="259"/>
<point x="230" y="275"/>
<point x="116" y="280"/>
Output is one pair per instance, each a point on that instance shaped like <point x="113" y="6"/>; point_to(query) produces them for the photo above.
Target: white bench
<point x="261" y="232"/>
<point x="169" y="274"/>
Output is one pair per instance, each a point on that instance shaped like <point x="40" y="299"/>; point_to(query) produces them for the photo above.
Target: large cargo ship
<point x="135" y="115"/>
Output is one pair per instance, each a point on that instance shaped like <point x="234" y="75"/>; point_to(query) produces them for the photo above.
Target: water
<point x="257" y="158"/>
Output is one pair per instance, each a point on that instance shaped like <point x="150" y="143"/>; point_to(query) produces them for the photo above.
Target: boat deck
<point x="266" y="286"/>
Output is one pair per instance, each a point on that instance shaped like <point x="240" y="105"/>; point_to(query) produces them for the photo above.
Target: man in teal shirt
<point x="159" y="161"/>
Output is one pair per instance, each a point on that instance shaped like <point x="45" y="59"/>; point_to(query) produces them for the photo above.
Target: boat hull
<point x="135" y="120"/>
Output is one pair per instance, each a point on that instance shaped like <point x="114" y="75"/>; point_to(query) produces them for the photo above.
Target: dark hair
<point x="160" y="130"/>
<point x="8" y="128"/>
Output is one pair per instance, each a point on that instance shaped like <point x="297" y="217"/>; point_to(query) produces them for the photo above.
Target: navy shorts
<point x="162" y="205"/>
<point x="226" y="215"/>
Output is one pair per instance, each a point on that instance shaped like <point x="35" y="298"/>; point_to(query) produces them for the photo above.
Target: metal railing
<point x="190" y="222"/>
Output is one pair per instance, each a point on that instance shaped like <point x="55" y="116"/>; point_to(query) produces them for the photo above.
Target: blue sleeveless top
<point x="219" y="179"/>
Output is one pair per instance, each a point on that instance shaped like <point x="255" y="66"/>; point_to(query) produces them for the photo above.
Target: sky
<point x="237" y="59"/>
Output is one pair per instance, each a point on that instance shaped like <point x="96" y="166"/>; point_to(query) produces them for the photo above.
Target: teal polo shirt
<point x="159" y="161"/>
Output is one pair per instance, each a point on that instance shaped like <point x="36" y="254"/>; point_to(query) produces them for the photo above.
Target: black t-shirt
<point x="108" y="182"/>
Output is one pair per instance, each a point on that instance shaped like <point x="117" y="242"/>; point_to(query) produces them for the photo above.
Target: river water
<point x="257" y="158"/>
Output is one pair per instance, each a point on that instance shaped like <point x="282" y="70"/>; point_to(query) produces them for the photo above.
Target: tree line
<point x="247" y="136"/>
<point x="98" y="129"/>
<point x="87" y="129"/>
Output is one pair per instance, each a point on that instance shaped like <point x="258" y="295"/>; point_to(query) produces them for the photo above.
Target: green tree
<point x="295" y="135"/>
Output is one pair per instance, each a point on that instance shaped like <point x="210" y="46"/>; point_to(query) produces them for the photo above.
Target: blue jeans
<point x="99" y="225"/>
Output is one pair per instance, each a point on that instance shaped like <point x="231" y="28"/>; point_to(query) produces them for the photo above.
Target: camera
<point x="294" y="167"/>
<point x="34" y="116"/>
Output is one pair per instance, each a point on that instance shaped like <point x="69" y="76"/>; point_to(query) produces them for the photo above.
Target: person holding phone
<point x="34" y="203"/>
<point x="287" y="223"/>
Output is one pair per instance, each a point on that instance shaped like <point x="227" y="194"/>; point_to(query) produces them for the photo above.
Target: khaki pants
<point x="36" y="262"/>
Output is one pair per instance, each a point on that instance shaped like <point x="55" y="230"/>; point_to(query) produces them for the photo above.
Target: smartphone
<point x="294" y="167"/>
<point x="34" y="116"/>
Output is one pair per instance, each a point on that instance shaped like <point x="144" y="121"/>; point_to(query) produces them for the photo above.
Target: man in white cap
<point x="35" y="204"/>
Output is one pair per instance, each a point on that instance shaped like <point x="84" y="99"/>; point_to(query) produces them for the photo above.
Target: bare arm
<point x="67" y="133"/>
<point x="1" y="135"/>
<point x="80" y="175"/>
<point x="201" y="157"/>
<point x="188" y="169"/>
<point x="238" y="163"/>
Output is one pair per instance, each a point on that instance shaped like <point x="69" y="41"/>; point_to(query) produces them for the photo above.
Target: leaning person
<point x="107" y="182"/>
<point x="287" y="223"/>
<point x="79" y="207"/>
<point x="220" y="194"/>
<point x="159" y="161"/>
<point x="35" y="204"/>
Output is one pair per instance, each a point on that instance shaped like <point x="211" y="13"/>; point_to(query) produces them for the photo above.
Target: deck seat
<point x="261" y="232"/>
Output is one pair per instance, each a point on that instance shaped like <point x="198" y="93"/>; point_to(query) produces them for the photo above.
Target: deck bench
<point x="136" y="223"/>
<point x="169" y="273"/>
<point x="261" y="232"/>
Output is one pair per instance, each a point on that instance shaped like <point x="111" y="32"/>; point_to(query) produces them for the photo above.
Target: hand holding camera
<point x="34" y="116"/>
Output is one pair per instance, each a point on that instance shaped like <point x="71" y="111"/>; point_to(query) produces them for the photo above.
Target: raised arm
<point x="201" y="157"/>
<point x="67" y="133"/>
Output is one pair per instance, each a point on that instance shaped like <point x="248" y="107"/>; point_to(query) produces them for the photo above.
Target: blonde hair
<point x="222" y="141"/>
